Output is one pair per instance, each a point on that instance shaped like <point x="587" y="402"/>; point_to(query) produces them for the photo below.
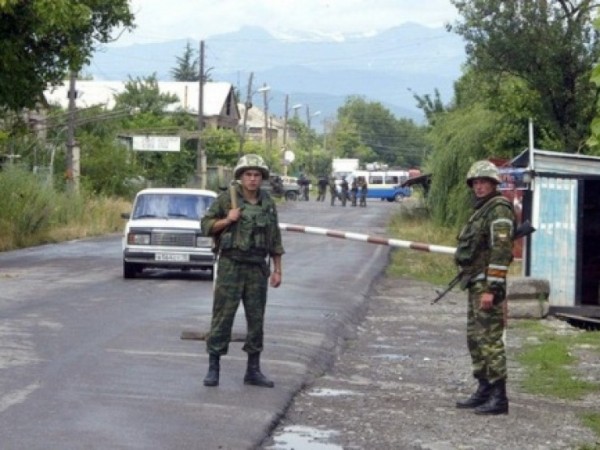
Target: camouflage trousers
<point x="238" y="281"/>
<point x="321" y="196"/>
<point x="484" y="338"/>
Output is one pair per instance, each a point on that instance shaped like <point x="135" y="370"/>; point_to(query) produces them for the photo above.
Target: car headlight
<point x="203" y="241"/>
<point x="138" y="239"/>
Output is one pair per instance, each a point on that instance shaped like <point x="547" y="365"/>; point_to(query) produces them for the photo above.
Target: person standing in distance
<point x="333" y="190"/>
<point x="364" y="189"/>
<point x="484" y="253"/>
<point x="322" y="185"/>
<point x="345" y="190"/>
<point x="247" y="240"/>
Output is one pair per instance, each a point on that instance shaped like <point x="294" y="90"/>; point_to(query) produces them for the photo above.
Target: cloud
<point x="163" y="20"/>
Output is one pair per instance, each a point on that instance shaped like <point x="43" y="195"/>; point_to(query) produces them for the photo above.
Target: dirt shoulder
<point x="395" y="385"/>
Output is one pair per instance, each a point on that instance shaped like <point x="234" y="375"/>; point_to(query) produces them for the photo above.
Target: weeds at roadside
<point x="592" y="421"/>
<point x="549" y="359"/>
<point x="35" y="213"/>
<point x="412" y="224"/>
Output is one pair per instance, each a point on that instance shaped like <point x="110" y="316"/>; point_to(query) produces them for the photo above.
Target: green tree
<point x="143" y="94"/>
<point x="40" y="40"/>
<point x="306" y="146"/>
<point x="106" y="166"/>
<point x="396" y="142"/>
<point x="221" y="146"/>
<point x="459" y="138"/>
<point x="489" y="118"/>
<point x="345" y="141"/>
<point x="170" y="168"/>
<point x="187" y="65"/>
<point x="551" y="46"/>
<point x="431" y="106"/>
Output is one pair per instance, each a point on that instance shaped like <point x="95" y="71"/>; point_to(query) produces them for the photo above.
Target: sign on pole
<point x="156" y="143"/>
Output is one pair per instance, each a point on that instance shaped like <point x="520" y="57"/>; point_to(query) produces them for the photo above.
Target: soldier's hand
<point x="486" y="301"/>
<point x="234" y="214"/>
<point x="275" y="279"/>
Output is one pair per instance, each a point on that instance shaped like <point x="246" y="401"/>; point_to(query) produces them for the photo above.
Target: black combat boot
<point x="479" y="397"/>
<point x="497" y="403"/>
<point x="253" y="374"/>
<point x="212" y="377"/>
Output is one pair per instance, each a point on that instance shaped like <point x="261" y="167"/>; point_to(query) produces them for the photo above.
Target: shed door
<point x="553" y="245"/>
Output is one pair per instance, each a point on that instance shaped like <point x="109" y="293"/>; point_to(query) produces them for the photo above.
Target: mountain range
<point x="387" y="67"/>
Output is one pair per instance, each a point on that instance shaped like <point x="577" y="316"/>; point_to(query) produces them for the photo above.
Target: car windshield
<point x="185" y="206"/>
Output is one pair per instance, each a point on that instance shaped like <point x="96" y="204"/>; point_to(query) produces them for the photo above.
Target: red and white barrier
<point x="420" y="246"/>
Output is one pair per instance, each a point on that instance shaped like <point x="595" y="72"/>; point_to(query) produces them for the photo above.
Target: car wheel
<point x="291" y="195"/>
<point x="130" y="270"/>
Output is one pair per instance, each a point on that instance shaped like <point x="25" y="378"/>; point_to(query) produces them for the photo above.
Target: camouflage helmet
<point x="483" y="169"/>
<point x="251" y="161"/>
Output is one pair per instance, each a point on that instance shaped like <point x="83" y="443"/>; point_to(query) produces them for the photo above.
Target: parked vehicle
<point x="341" y="167"/>
<point x="384" y="184"/>
<point x="278" y="186"/>
<point x="163" y="231"/>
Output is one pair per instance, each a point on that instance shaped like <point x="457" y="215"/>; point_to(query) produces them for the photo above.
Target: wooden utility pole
<point x="72" y="174"/>
<point x="285" y="122"/>
<point x="247" y="106"/>
<point x="285" y="132"/>
<point x="265" y="91"/>
<point x="201" y="152"/>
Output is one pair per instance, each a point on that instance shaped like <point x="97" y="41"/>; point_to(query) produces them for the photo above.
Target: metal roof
<point x="91" y="93"/>
<point x="557" y="163"/>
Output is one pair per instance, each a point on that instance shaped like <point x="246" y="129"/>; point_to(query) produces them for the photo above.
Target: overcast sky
<point x="165" y="20"/>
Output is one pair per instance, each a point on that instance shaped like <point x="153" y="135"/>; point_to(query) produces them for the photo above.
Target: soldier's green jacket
<point x="254" y="236"/>
<point x="484" y="250"/>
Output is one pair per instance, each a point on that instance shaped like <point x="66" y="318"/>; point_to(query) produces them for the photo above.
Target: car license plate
<point x="176" y="257"/>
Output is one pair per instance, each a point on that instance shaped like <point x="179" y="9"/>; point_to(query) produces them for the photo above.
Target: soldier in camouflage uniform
<point x="364" y="189"/>
<point x="247" y="238"/>
<point x="333" y="190"/>
<point x="483" y="254"/>
<point x="345" y="190"/>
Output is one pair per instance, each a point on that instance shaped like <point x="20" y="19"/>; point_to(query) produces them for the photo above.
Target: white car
<point x="163" y="231"/>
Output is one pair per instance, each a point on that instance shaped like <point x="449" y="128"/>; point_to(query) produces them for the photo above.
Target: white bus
<point x="384" y="184"/>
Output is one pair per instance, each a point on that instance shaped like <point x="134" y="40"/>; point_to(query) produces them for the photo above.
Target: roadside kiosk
<point x="561" y="198"/>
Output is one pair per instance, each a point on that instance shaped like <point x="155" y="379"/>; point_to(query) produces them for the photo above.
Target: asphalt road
<point x="89" y="360"/>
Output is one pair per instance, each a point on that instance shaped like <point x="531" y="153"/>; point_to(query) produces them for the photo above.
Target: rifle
<point x="448" y="288"/>
<point x="525" y="229"/>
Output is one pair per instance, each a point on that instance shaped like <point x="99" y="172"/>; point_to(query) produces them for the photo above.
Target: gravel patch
<point x="395" y="384"/>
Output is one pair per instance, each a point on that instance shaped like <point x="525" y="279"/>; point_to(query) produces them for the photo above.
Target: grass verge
<point x="549" y="360"/>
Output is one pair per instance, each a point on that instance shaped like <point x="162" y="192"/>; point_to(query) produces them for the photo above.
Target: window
<point x="165" y="205"/>
<point x="376" y="179"/>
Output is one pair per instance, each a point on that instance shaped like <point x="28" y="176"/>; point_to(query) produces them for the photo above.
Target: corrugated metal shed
<point x="563" y="204"/>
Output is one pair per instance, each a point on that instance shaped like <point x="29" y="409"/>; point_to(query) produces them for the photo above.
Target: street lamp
<point x="296" y="107"/>
<point x="309" y="116"/>
<point x="310" y="150"/>
<point x="265" y="89"/>
<point x="285" y="128"/>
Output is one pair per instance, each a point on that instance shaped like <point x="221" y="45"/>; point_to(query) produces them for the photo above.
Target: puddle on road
<point x="299" y="437"/>
<point x="331" y="392"/>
